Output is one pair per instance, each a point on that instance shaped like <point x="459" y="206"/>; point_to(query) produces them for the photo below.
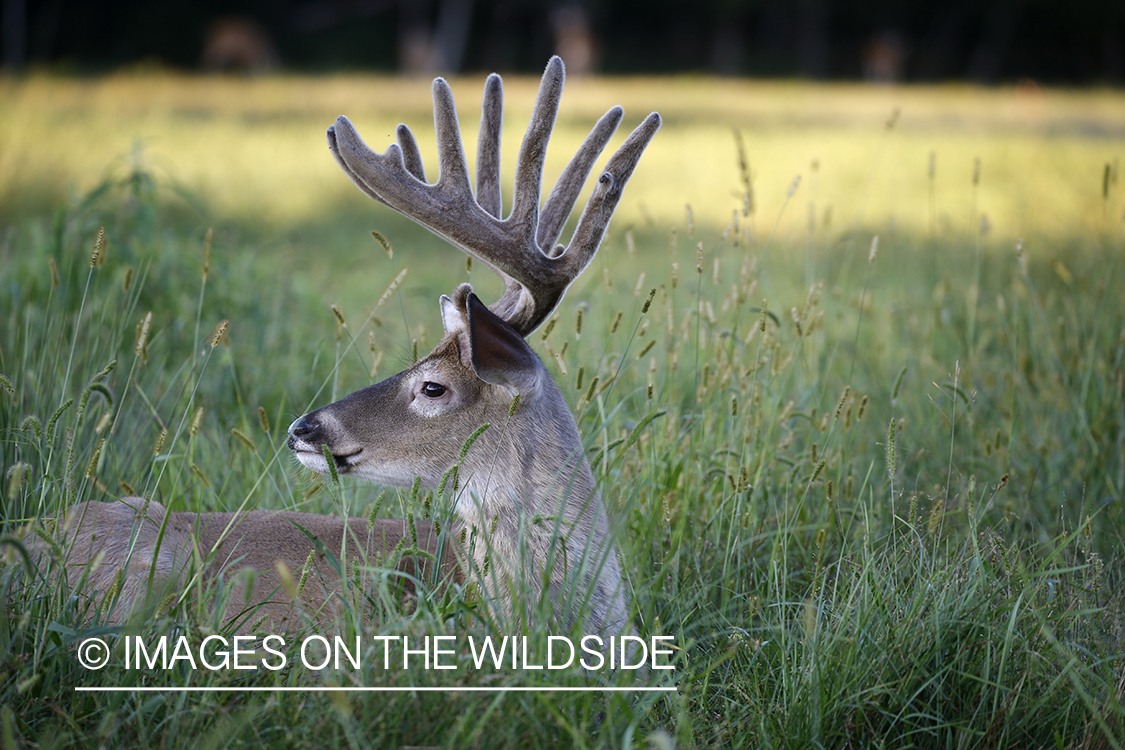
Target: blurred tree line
<point x="1080" y="41"/>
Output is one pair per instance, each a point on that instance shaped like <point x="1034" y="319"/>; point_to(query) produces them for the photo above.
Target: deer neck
<point x="536" y="510"/>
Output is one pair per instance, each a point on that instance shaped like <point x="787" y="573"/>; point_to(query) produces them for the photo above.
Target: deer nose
<point x="304" y="429"/>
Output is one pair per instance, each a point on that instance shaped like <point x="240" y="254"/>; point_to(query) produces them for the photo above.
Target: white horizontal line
<point x="363" y="689"/>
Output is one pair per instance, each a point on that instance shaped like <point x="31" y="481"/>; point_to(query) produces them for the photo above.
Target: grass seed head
<point x="55" y="418"/>
<point x="17" y="473"/>
<point x="639" y="286"/>
<point x="391" y="288"/>
<point x="590" y="392"/>
<point x="937" y="513"/>
<point x="196" y="421"/>
<point x="384" y="243"/>
<point x="330" y="460"/>
<point x="243" y="438"/>
<point x="92" y="466"/>
<point x="219" y="333"/>
<point x="158" y="446"/>
<point x="198" y="472"/>
<point x="890" y="450"/>
<point x="341" y="323"/>
<point x="288" y="584"/>
<point x="841" y="401"/>
<point x="97" y="255"/>
<point x="31" y="422"/>
<point x="374" y="512"/>
<point x="480" y="431"/>
<point x="140" y="348"/>
<point x="897" y="385"/>
<point x="549" y="327"/>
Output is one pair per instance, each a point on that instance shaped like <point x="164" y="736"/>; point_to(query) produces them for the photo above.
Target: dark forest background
<point x="1074" y="42"/>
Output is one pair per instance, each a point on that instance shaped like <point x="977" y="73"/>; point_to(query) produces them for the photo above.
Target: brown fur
<point x="149" y="554"/>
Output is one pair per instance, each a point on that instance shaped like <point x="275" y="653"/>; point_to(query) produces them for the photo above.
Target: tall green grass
<point x="873" y="489"/>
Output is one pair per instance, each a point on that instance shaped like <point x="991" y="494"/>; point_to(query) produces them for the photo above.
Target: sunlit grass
<point x="239" y="140"/>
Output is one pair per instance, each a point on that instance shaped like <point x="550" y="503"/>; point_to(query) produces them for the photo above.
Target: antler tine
<point x="565" y="192"/>
<point x="411" y="156"/>
<point x="453" y="169"/>
<point x="351" y="173"/>
<point x="607" y="194"/>
<point x="533" y="150"/>
<point x="488" y="146"/>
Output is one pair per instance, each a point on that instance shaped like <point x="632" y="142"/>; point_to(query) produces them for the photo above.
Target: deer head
<point x="529" y="463"/>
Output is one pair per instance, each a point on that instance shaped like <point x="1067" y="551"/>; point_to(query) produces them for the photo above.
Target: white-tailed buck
<point x="528" y="519"/>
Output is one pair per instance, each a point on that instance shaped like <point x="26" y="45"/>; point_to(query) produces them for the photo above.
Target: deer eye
<point x="432" y="390"/>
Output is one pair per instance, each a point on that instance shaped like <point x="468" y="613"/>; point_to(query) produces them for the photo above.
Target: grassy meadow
<point x="864" y="449"/>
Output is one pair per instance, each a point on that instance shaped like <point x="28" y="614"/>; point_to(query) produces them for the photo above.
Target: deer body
<point x="529" y="522"/>
<point x="157" y="553"/>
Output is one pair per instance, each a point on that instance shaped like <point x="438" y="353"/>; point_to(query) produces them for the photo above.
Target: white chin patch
<point x="393" y="476"/>
<point x="313" y="461"/>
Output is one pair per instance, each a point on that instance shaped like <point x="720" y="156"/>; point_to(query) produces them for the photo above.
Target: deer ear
<point x="452" y="320"/>
<point x="500" y="356"/>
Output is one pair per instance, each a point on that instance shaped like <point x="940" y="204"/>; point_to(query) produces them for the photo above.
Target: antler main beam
<point x="522" y="247"/>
